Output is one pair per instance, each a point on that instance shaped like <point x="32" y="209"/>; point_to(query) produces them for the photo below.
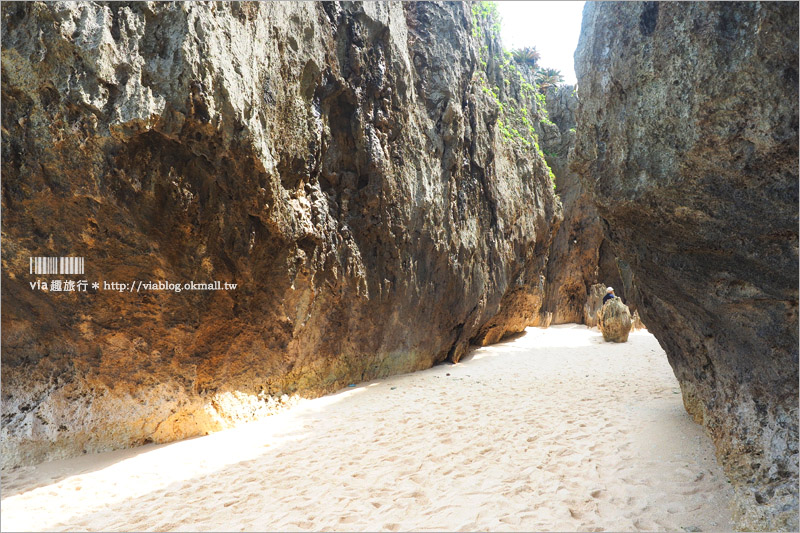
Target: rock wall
<point x="345" y="165"/>
<point x="579" y="255"/>
<point x="688" y="142"/>
<point x="575" y="250"/>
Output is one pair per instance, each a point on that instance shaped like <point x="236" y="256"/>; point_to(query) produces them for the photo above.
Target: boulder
<point x="615" y="321"/>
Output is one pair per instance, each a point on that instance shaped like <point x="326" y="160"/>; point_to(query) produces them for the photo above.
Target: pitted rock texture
<point x="615" y="321"/>
<point x="340" y="163"/>
<point x="688" y="142"/>
<point x="594" y="302"/>
<point x="636" y="321"/>
<point x="579" y="255"/>
<point x="574" y="256"/>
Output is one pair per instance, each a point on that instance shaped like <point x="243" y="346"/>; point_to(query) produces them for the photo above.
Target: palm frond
<point x="528" y="55"/>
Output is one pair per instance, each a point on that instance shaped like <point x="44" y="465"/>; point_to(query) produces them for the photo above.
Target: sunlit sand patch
<point x="551" y="430"/>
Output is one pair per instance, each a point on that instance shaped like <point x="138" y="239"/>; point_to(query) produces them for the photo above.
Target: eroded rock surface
<point x="579" y="255"/>
<point x="594" y="302"/>
<point x="615" y="321"/>
<point x="574" y="253"/>
<point x="341" y="163"/>
<point x="688" y="141"/>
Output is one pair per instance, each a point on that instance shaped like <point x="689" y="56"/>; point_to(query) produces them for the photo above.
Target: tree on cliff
<point x="527" y="56"/>
<point x="548" y="77"/>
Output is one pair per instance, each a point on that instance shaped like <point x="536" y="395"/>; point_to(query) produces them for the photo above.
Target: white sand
<point x="555" y="430"/>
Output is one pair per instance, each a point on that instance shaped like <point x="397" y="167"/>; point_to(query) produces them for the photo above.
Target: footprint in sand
<point x="511" y="520"/>
<point x="642" y="526"/>
<point x="418" y="496"/>
<point x="575" y="513"/>
<point x="516" y="491"/>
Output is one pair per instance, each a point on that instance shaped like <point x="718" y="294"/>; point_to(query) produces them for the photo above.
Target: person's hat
<point x="610" y="289"/>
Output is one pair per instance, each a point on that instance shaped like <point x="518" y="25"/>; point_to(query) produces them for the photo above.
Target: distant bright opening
<point x="552" y="27"/>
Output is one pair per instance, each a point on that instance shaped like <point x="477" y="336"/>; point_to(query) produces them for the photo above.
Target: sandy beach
<point x="553" y="430"/>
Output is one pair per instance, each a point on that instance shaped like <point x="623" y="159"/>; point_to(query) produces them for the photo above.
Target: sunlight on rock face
<point x="375" y="216"/>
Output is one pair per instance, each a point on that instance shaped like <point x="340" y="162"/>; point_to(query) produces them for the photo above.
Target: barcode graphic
<point x="57" y="265"/>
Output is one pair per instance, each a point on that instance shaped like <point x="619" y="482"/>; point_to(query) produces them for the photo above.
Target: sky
<point x="552" y="27"/>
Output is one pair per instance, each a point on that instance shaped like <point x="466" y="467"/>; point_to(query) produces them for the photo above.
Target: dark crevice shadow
<point x="508" y="339"/>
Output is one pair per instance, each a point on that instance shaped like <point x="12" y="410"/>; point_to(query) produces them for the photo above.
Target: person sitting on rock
<point x="609" y="295"/>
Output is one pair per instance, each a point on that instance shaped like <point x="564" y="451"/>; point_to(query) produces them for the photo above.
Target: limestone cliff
<point x="688" y="142"/>
<point x="359" y="171"/>
<point x="575" y="250"/>
<point x="579" y="255"/>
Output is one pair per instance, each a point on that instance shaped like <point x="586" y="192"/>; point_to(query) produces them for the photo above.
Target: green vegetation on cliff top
<point x="514" y="122"/>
